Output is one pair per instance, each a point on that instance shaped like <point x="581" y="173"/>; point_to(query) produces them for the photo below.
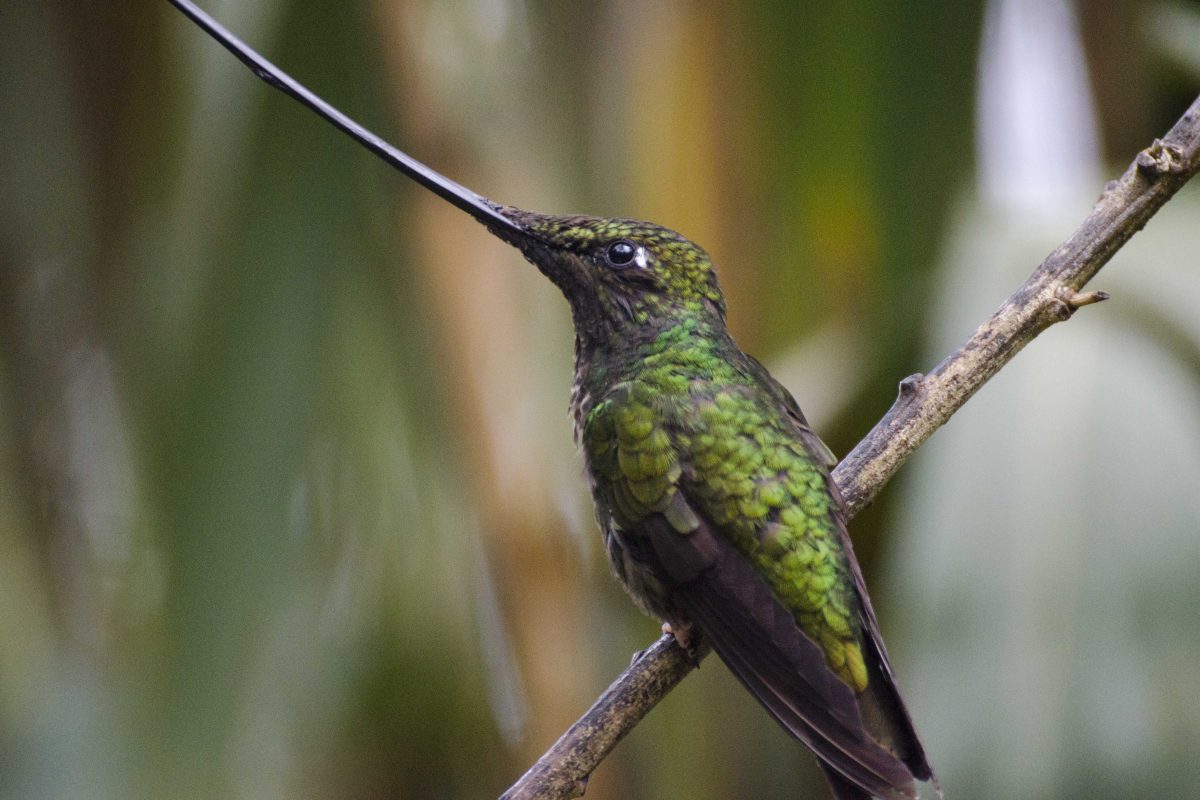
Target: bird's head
<point x="617" y="274"/>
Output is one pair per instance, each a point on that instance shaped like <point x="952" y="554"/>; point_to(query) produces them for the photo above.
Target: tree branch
<point x="1051" y="294"/>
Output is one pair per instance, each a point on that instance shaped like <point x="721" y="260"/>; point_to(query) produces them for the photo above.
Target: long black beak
<point x="476" y="205"/>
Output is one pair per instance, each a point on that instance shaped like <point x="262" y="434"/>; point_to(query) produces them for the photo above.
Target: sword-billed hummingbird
<point x="713" y="494"/>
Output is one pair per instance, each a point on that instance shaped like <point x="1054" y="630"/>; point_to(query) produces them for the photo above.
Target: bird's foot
<point x="689" y="643"/>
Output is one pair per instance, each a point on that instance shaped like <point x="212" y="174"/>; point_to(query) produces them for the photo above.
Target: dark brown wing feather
<point x="843" y="789"/>
<point x="888" y="719"/>
<point x="893" y="722"/>
<point x="757" y="637"/>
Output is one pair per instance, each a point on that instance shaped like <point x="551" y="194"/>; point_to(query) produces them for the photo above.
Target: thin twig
<point x="564" y="769"/>
<point x="1051" y="294"/>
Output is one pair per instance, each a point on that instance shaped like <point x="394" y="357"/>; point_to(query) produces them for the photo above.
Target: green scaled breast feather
<point x="747" y="474"/>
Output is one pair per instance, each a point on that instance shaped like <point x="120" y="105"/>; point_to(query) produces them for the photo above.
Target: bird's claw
<point x="686" y="641"/>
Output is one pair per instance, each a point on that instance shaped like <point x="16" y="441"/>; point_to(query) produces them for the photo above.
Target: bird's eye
<point x="621" y="254"/>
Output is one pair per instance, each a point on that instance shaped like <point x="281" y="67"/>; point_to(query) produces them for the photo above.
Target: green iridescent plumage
<point x="746" y="471"/>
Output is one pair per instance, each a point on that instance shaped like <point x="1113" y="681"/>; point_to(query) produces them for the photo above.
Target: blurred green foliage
<point x="288" y="500"/>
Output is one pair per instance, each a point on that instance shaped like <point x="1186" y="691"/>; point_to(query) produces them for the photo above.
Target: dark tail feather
<point x="843" y="789"/>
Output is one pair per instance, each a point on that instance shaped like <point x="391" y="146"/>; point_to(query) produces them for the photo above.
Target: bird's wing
<point x="758" y="638"/>
<point x="894" y="722"/>
<point x="889" y="717"/>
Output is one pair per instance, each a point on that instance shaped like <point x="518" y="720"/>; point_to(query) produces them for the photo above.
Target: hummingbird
<point x="712" y="492"/>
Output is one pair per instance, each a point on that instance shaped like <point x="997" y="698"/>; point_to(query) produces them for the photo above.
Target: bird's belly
<point x="631" y="566"/>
